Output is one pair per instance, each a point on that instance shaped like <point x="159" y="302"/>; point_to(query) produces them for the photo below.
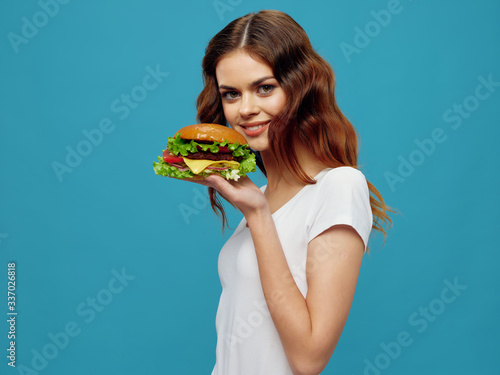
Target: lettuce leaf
<point x="247" y="165"/>
<point x="181" y="146"/>
<point x="164" y="169"/>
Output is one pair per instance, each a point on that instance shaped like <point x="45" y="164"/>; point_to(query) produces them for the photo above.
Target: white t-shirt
<point x="247" y="340"/>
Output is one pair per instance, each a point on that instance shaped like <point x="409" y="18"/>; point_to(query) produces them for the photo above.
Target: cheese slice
<point x="198" y="166"/>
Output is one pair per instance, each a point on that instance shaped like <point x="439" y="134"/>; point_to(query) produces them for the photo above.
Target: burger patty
<point x="213" y="156"/>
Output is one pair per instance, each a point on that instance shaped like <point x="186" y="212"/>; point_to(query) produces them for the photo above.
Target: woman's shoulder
<point x="344" y="175"/>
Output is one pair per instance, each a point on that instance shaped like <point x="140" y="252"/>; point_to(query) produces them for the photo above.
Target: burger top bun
<point x="211" y="133"/>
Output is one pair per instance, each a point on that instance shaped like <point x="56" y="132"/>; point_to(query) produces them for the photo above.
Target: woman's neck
<point x="278" y="175"/>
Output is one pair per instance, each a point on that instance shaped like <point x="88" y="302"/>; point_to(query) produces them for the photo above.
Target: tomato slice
<point x="171" y="159"/>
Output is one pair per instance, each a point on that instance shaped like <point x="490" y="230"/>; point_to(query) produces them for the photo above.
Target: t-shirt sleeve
<point x="342" y="198"/>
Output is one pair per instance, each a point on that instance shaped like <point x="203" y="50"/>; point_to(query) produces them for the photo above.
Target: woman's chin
<point x="259" y="146"/>
<point x="260" y="143"/>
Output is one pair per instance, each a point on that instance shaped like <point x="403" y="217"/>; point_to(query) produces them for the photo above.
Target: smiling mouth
<point x="255" y="128"/>
<point x="255" y="124"/>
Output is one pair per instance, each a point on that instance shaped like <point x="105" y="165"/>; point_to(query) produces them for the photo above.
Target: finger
<point x="216" y="181"/>
<point x="245" y="181"/>
<point x="223" y="186"/>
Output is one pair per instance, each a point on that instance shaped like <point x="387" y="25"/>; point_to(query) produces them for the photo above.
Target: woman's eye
<point x="266" y="89"/>
<point x="230" y="95"/>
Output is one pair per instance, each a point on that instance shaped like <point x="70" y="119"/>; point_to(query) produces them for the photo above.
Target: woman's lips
<point x="253" y="129"/>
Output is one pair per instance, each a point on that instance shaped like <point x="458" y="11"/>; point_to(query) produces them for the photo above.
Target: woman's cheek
<point x="230" y="114"/>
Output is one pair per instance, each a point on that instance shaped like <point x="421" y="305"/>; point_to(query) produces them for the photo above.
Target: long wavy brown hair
<point x="310" y="116"/>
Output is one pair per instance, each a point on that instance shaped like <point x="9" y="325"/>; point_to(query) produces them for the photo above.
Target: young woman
<point x="289" y="271"/>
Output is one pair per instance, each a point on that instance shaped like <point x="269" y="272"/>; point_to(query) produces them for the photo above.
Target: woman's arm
<point x="309" y="328"/>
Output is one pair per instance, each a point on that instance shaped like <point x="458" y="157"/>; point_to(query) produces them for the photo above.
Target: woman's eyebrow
<point x="253" y="84"/>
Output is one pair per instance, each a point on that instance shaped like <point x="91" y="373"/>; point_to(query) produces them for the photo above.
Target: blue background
<point x="69" y="236"/>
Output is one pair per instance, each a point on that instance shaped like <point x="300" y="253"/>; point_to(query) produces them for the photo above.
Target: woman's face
<point x="251" y="96"/>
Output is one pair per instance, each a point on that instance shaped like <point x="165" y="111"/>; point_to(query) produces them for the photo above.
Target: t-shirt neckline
<point x="292" y="199"/>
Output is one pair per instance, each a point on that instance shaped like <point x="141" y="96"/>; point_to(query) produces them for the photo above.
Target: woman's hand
<point x="243" y="194"/>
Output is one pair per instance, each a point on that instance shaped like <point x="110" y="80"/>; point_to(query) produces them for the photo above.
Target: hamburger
<point x="205" y="149"/>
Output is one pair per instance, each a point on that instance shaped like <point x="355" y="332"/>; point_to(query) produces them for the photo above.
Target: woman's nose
<point x="248" y="106"/>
